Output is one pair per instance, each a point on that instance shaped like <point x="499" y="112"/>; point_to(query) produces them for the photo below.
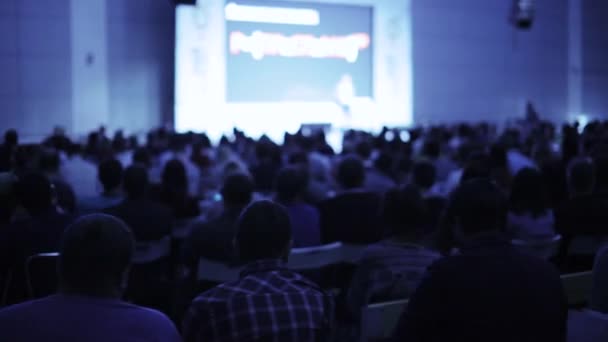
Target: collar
<point x="265" y="265"/>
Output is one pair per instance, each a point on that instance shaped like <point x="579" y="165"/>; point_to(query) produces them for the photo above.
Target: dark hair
<point x="431" y="149"/>
<point x="237" y="190"/>
<point x="263" y="231"/>
<point x="291" y="183"/>
<point x="528" y="193"/>
<point x="35" y="192"/>
<point x="135" y="181"/>
<point x="364" y="150"/>
<point x="174" y="177"/>
<point x="478" y="205"/>
<point x="477" y="167"/>
<point x="11" y="138"/>
<point x="351" y="172"/>
<point x="581" y="176"/>
<point x="404" y="210"/>
<point x="142" y="157"/>
<point x="110" y="174"/>
<point x="424" y="174"/>
<point x="95" y="252"/>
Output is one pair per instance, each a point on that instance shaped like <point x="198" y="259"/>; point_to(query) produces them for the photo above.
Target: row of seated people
<point x="487" y="291"/>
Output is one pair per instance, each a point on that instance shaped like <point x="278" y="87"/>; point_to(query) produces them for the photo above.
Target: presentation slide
<point x="279" y="51"/>
<point x="271" y="66"/>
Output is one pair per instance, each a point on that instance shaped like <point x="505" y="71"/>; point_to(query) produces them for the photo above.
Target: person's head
<point x="423" y="175"/>
<point x="174" y="176"/>
<point x="135" y="181"/>
<point x="364" y="150"/>
<point x="477" y="206"/>
<point x="95" y="256"/>
<point x="237" y="191"/>
<point x="36" y="193"/>
<point x="528" y="194"/>
<point x="11" y="138"/>
<point x="291" y="184"/>
<point x="581" y="177"/>
<point x="404" y="211"/>
<point x="431" y="149"/>
<point x="351" y="173"/>
<point x="142" y="157"/>
<point x="477" y="167"/>
<point x="110" y="174"/>
<point x="263" y="232"/>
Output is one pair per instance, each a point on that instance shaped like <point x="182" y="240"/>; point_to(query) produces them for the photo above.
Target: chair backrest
<point x="577" y="287"/>
<point x="310" y="258"/>
<point x="41" y="274"/>
<point x="152" y="251"/>
<point x="378" y="321"/>
<point x="181" y="229"/>
<point x="545" y="248"/>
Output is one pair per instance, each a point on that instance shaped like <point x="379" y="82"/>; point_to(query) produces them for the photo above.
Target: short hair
<point x="95" y="252"/>
<point x="528" y="193"/>
<point x="11" y="137"/>
<point x="135" y="181"/>
<point x="263" y="231"/>
<point x="581" y="176"/>
<point x="142" y="157"/>
<point x="424" y="174"/>
<point x="404" y="210"/>
<point x="237" y="190"/>
<point x="351" y="172"/>
<point x="110" y="174"/>
<point x="477" y="167"/>
<point x="291" y="183"/>
<point x="479" y="206"/>
<point x="431" y="149"/>
<point x="174" y="176"/>
<point x="35" y="192"/>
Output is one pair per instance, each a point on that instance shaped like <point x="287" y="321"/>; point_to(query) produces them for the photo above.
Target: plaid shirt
<point x="268" y="303"/>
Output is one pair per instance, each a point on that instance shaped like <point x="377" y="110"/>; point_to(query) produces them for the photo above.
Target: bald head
<point x="95" y="255"/>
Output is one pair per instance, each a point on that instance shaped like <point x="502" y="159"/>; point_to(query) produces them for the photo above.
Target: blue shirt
<point x="68" y="318"/>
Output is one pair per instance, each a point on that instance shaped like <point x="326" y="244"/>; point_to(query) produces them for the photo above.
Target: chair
<point x="41" y="274"/>
<point x="216" y="272"/>
<point x="586" y="245"/>
<point x="577" y="287"/>
<point x="152" y="251"/>
<point x="545" y="248"/>
<point x="378" y="321"/>
<point x="310" y="258"/>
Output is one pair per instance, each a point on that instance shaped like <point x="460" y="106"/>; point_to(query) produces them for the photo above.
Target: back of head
<point x="35" y="192"/>
<point x="431" y="149"/>
<point x="135" y="181"/>
<point x="477" y="167"/>
<point x="291" y="183"/>
<point x="351" y="172"/>
<point x="364" y="150"/>
<point x="424" y="174"/>
<point x="528" y="193"/>
<point x="404" y="210"/>
<point x="110" y="174"/>
<point x="581" y="176"/>
<point x="11" y="138"/>
<point x="95" y="255"/>
<point x="263" y="232"/>
<point x="174" y="176"/>
<point x="142" y="157"/>
<point x="237" y="190"/>
<point x="478" y="206"/>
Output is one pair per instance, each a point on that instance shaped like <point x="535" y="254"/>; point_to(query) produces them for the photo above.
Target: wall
<point x="35" y="65"/>
<point x="595" y="58"/>
<point x="471" y="64"/>
<point x="141" y="40"/>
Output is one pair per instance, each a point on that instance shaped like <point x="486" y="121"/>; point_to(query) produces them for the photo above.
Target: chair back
<point x="577" y="287"/>
<point x="378" y="321"/>
<point x="151" y="251"/>
<point x="215" y="271"/>
<point x="310" y="258"/>
<point x="545" y="248"/>
<point x="41" y="274"/>
<point x="586" y="245"/>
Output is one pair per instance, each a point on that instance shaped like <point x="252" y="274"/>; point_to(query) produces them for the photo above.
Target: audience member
<point x="93" y="265"/>
<point x="110" y="176"/>
<point x="268" y="302"/>
<point x="173" y="191"/>
<point x="148" y="220"/>
<point x="470" y="296"/>
<point x="291" y="186"/>
<point x="391" y="269"/>
<point x="353" y="214"/>
<point x="214" y="238"/>
<point x="529" y="215"/>
<point x="7" y="150"/>
<point x="50" y="163"/>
